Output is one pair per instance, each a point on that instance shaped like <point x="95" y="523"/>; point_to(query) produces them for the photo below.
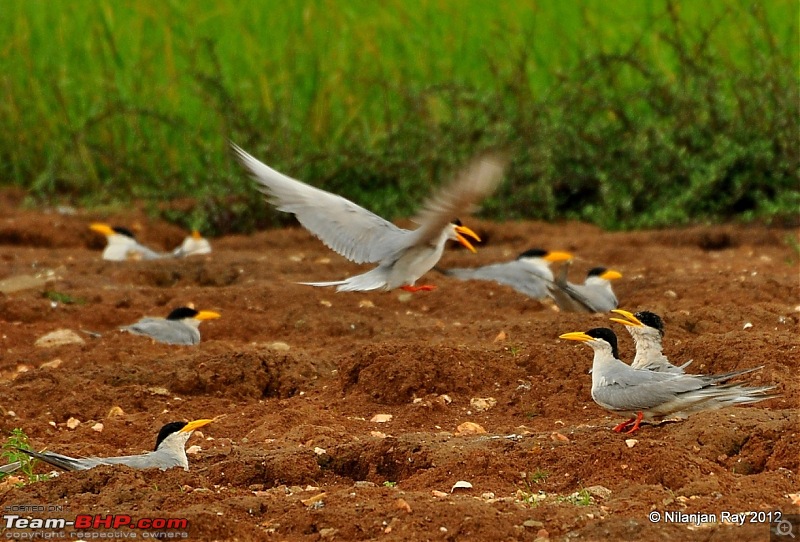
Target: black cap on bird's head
<point x="598" y="333"/>
<point x="651" y="319"/>
<point x="181" y="313"/>
<point x="180" y="427"/>
<point x="607" y="335"/>
<point x="167" y="430"/>
<point x="107" y="230"/>
<point x="123" y="231"/>
<point x="603" y="273"/>
<point x="533" y="253"/>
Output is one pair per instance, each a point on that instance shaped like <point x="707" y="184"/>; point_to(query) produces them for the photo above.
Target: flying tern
<point x="361" y="236"/>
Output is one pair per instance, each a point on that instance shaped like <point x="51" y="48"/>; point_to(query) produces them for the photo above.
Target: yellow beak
<point x="463" y="240"/>
<point x="558" y="257"/>
<point x="196" y="424"/>
<point x="631" y="319"/>
<point x="206" y="315"/>
<point x="611" y="275"/>
<point x="576" y="336"/>
<point x="196" y="235"/>
<point x="104" y="229"/>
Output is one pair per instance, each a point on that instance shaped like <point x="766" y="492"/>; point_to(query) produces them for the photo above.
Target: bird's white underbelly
<point x="414" y="263"/>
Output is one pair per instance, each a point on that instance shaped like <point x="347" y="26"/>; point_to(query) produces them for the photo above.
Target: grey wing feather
<point x="57" y="460"/>
<point x="643" y="390"/>
<point x="164" y="331"/>
<point x="519" y="277"/>
<point x="471" y="185"/>
<point x="346" y="228"/>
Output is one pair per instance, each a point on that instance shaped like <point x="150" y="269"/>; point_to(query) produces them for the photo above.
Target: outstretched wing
<point x="476" y="181"/>
<point x="352" y="231"/>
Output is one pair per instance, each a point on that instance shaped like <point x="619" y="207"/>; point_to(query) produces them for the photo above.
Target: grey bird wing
<point x="581" y="298"/>
<point x="346" y="228"/>
<point x="514" y="274"/>
<point x="165" y="331"/>
<point x="473" y="183"/>
<point x="628" y="389"/>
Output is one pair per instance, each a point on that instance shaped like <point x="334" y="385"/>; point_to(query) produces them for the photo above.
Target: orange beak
<point x="463" y="230"/>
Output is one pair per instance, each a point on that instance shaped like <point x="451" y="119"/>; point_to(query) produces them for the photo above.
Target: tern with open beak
<point x="647" y="330"/>
<point x="528" y="274"/>
<point x="169" y="452"/>
<point x="653" y="396"/>
<point x="361" y="236"/>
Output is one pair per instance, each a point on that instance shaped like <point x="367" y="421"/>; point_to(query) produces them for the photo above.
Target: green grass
<point x="10" y="453"/>
<point x="626" y="114"/>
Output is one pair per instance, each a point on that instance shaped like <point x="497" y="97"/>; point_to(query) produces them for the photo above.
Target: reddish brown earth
<point x="296" y="456"/>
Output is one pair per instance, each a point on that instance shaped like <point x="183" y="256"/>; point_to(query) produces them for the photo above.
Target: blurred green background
<point x="627" y="114"/>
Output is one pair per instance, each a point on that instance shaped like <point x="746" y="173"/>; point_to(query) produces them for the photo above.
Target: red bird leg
<point x="623" y="425"/>
<point x="423" y="288"/>
<point x="635" y="427"/>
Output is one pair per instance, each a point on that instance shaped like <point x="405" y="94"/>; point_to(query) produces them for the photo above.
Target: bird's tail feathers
<point x="57" y="460"/>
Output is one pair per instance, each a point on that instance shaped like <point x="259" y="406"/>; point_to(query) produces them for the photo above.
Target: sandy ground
<point x="300" y="372"/>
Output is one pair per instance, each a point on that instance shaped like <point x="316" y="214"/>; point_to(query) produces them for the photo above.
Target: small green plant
<point x="529" y="495"/>
<point x="538" y="476"/>
<point x="11" y="454"/>
<point x="65" y="299"/>
<point x="387" y="483"/>
<point x="579" y="498"/>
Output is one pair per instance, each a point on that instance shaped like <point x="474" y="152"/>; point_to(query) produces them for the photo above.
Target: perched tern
<point x="594" y="295"/>
<point x="193" y="245"/>
<point x="647" y="330"/>
<point x="529" y="273"/>
<point x="361" y="236"/>
<point x="649" y="395"/>
<point x="169" y="452"/>
<point x="121" y="245"/>
<point x="181" y="326"/>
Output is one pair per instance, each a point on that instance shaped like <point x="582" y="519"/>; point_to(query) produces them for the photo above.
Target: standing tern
<point x="528" y="274"/>
<point x="181" y="326"/>
<point x="361" y="236"/>
<point x="594" y="295"/>
<point x="649" y="395"/>
<point x="169" y="452"/>
<point x="121" y="245"/>
<point x="647" y="330"/>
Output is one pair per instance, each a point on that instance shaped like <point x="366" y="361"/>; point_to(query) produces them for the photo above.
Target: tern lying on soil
<point x="122" y="245"/>
<point x="528" y="274"/>
<point x="647" y="330"/>
<point x="649" y="395"/>
<point x="179" y="327"/>
<point x="403" y="256"/>
<point x="594" y="295"/>
<point x="193" y="245"/>
<point x="169" y="452"/>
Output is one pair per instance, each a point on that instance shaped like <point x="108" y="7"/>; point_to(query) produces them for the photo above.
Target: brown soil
<point x="297" y="421"/>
